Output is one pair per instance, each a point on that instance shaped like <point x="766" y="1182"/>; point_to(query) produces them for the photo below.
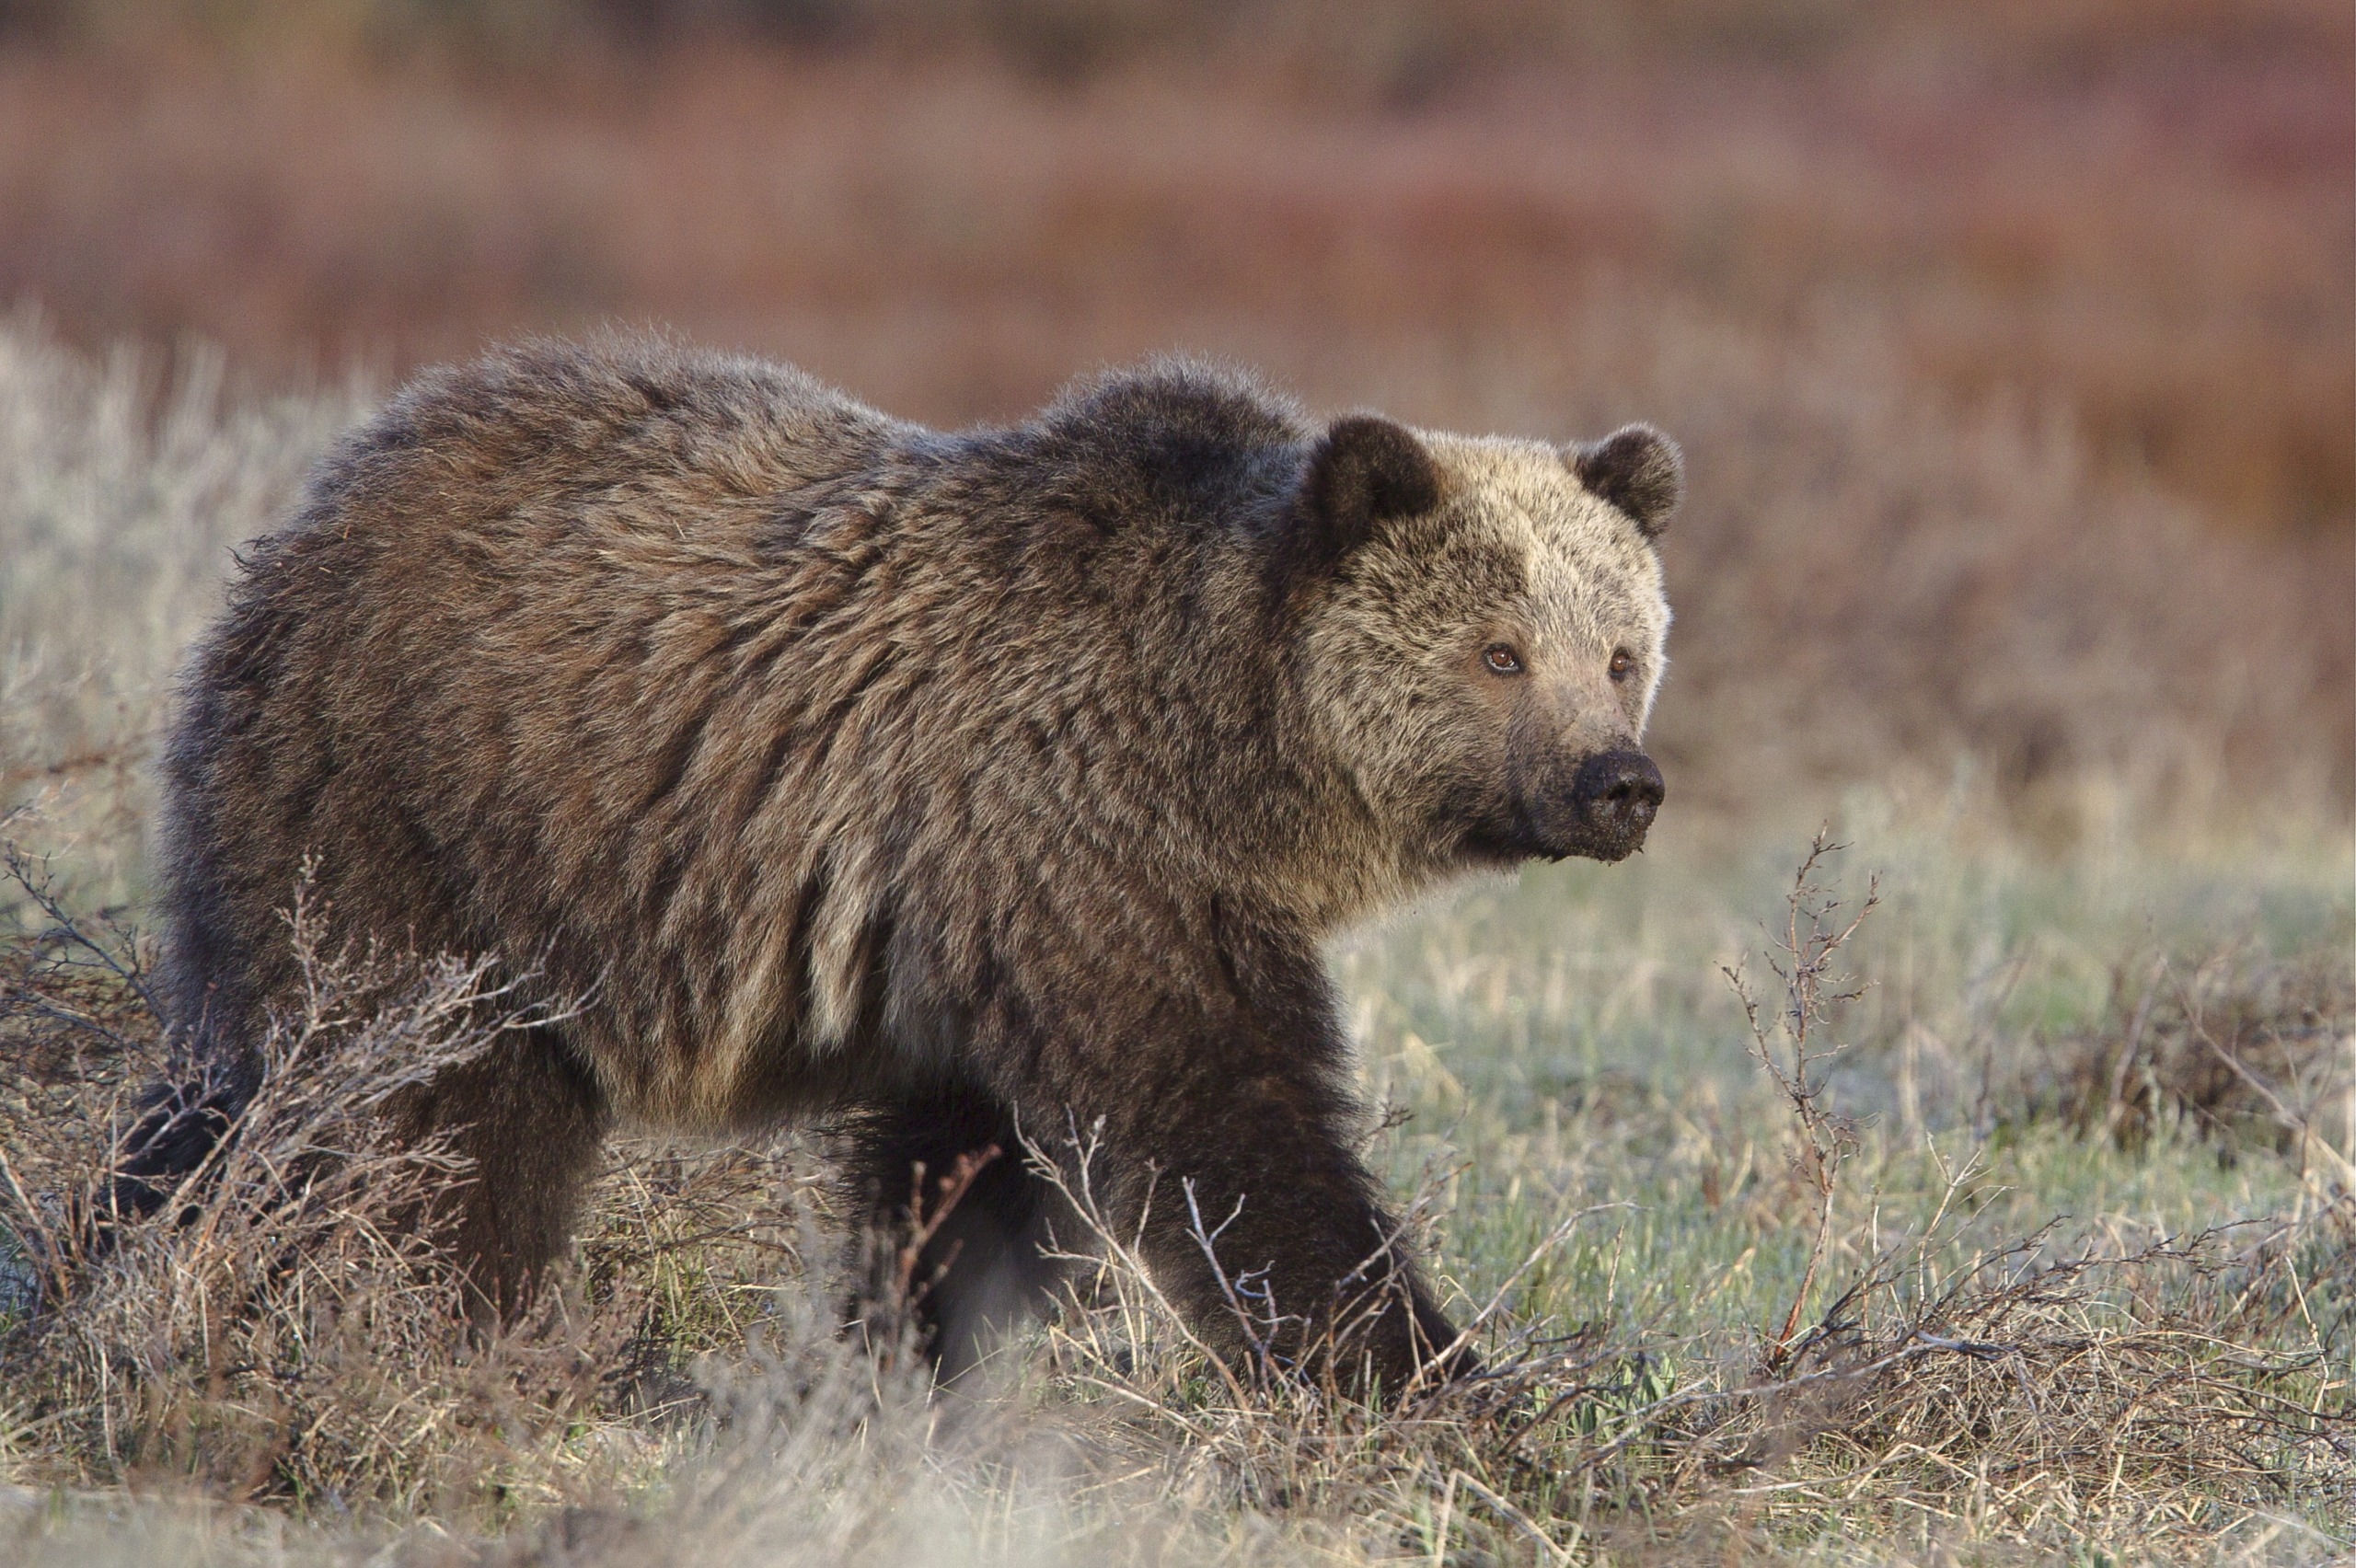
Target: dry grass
<point x="286" y="1327"/>
<point x="292" y="1339"/>
<point x="2128" y="215"/>
<point x="2121" y="1396"/>
<point x="125" y="483"/>
<point x="1865" y="585"/>
<point x="2242" y="1047"/>
<point x="2008" y="343"/>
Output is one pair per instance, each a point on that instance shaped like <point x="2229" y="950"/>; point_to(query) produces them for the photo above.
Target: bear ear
<point x="1364" y="472"/>
<point x="1636" y="469"/>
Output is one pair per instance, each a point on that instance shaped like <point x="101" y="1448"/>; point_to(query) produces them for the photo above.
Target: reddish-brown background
<point x="2013" y="343"/>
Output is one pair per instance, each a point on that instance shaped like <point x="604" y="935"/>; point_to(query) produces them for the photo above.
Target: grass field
<point x="2076" y="1296"/>
<point x="2008" y="344"/>
<point x="2051" y="1253"/>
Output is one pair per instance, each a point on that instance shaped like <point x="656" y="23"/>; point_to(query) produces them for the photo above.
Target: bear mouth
<point x="1599" y="807"/>
<point x="1505" y="845"/>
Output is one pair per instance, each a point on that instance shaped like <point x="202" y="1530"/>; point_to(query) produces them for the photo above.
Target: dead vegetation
<point x="1988" y="326"/>
<point x="292" y="1339"/>
<point x="285" y="1329"/>
<point x="2246" y="1048"/>
<point x="2141" y="1395"/>
<point x="2127" y="216"/>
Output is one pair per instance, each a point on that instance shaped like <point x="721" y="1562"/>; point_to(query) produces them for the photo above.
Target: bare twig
<point x="1812" y="936"/>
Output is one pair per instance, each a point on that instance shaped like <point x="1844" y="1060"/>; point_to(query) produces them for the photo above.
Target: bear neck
<point x="1135" y="537"/>
<point x="1261" y="808"/>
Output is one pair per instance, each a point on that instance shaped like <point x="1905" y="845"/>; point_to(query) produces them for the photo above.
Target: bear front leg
<point x="1247" y="1145"/>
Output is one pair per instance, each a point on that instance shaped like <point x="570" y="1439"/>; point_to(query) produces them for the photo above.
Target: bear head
<point x="1482" y="625"/>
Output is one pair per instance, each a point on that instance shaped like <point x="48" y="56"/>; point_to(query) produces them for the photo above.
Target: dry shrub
<point x="2246" y="1048"/>
<point x="2173" y="1390"/>
<point x="2126" y="1383"/>
<point x="2114" y="1392"/>
<point x="286" y="1327"/>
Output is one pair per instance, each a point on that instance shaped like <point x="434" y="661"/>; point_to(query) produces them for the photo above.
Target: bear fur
<point x="953" y="786"/>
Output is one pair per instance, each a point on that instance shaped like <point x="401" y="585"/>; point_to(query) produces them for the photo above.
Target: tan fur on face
<point x="1518" y="551"/>
<point x="1593" y="581"/>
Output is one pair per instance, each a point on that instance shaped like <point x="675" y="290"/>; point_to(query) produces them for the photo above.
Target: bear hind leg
<point x="529" y="1119"/>
<point x="980" y="1268"/>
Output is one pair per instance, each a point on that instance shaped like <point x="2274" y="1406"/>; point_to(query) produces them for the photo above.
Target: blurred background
<point x="2013" y="342"/>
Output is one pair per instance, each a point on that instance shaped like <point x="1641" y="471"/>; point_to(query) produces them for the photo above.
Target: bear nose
<point x="1618" y="790"/>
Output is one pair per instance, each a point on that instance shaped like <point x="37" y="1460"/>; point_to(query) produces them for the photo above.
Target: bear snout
<point x="1614" y="796"/>
<point x="1594" y="808"/>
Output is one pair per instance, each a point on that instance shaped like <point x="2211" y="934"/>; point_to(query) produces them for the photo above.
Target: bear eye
<point x="1501" y="658"/>
<point x="1622" y="663"/>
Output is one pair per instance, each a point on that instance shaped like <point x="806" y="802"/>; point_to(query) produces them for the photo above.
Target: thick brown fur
<point x="958" y="785"/>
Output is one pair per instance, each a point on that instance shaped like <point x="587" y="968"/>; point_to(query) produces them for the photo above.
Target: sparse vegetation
<point x="2009" y="345"/>
<point x="1720" y="1314"/>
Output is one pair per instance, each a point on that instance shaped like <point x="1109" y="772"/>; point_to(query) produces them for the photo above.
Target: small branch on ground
<point x="1795" y="1056"/>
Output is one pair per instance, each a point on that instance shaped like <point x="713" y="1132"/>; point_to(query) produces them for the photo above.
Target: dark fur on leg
<point x="529" y="1119"/>
<point x="1249" y="1112"/>
<point x="182" y="1125"/>
<point x="979" y="1270"/>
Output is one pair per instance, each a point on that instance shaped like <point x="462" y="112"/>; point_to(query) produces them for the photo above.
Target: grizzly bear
<point x="963" y="789"/>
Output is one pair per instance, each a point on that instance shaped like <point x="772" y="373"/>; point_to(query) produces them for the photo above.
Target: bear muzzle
<point x="1602" y="812"/>
<point x="1615" y="797"/>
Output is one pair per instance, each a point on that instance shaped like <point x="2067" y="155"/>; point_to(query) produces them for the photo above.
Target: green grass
<point x="1562" y="1045"/>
